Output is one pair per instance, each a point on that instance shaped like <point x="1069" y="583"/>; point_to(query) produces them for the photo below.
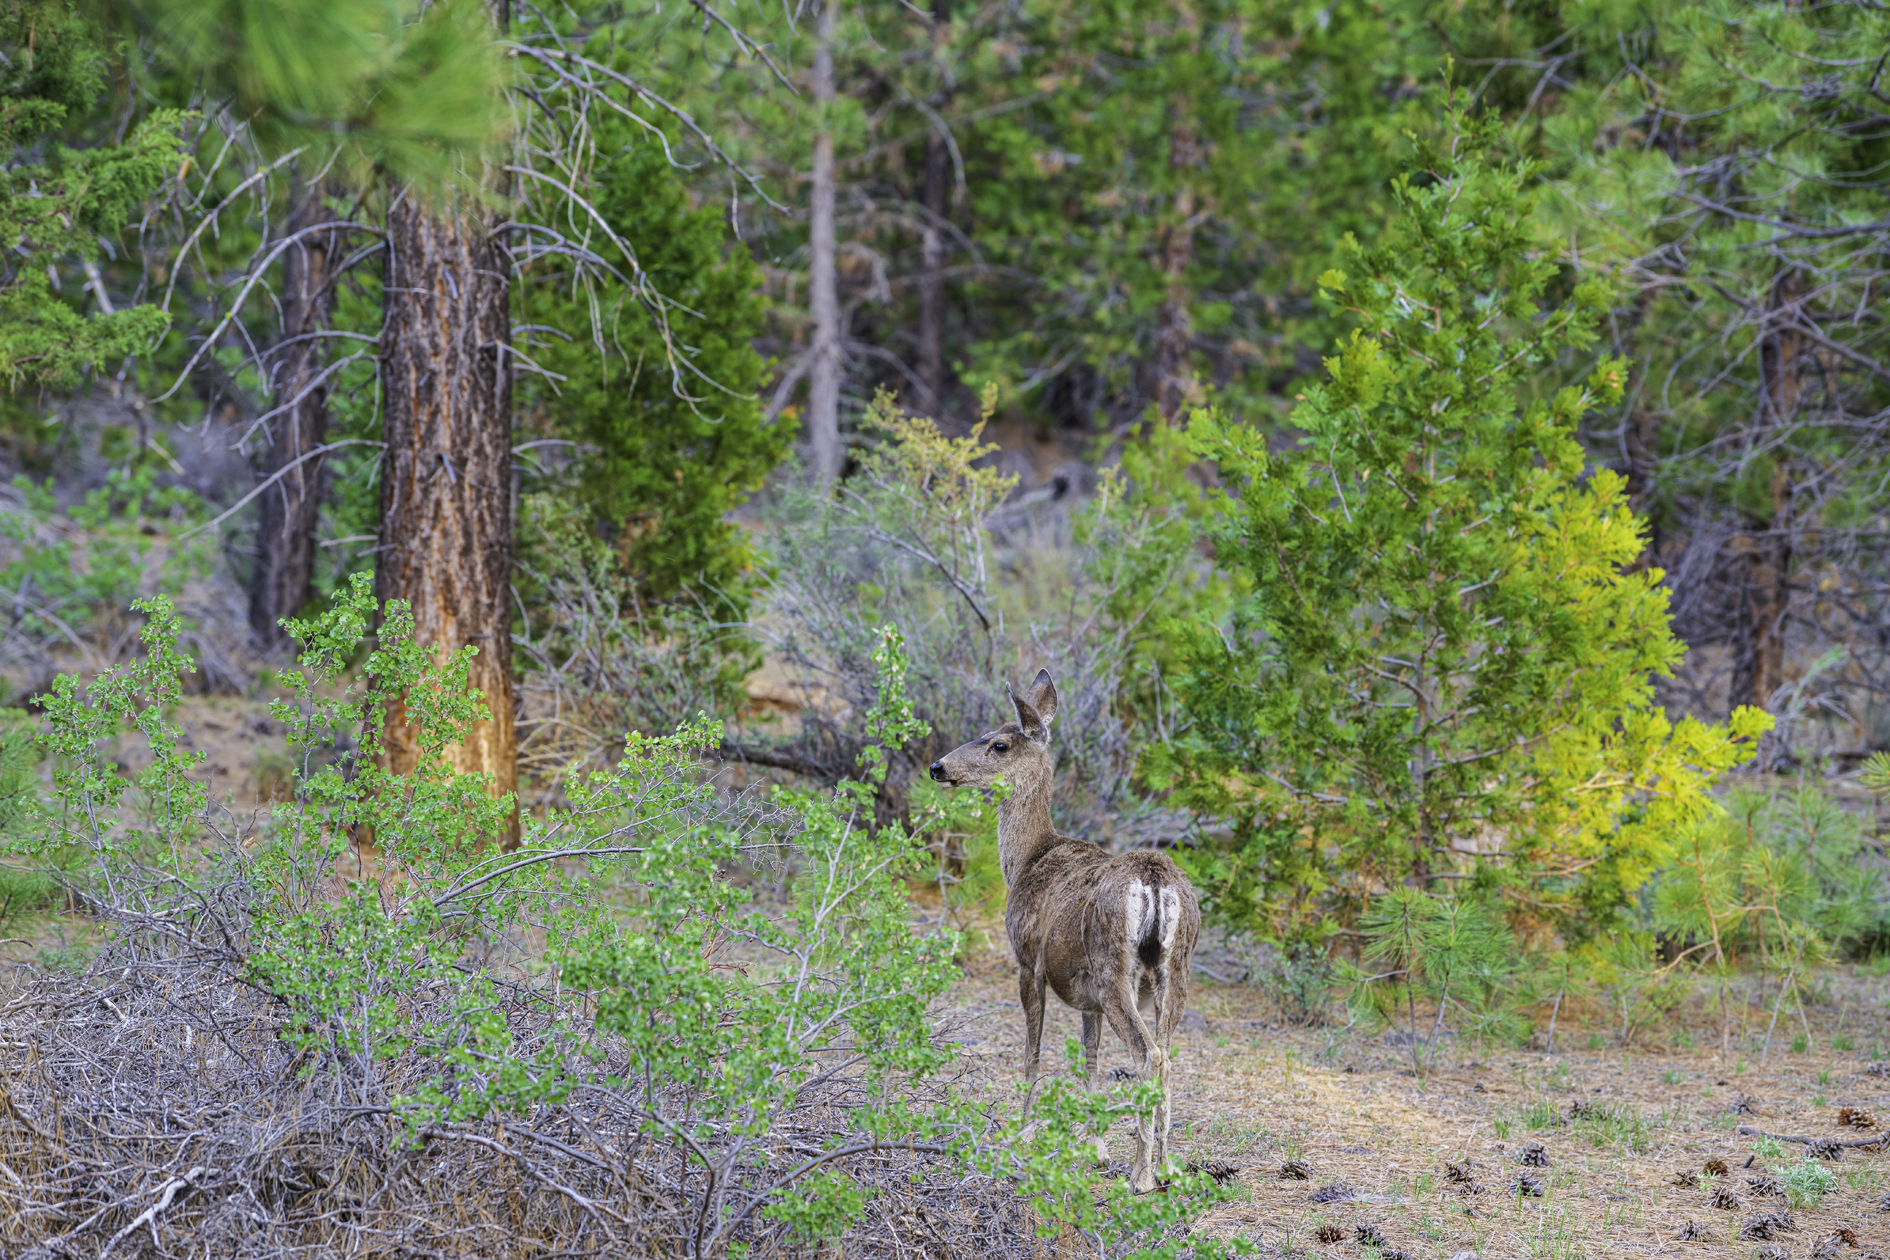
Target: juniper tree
<point x="1442" y="670"/>
<point x="59" y="201"/>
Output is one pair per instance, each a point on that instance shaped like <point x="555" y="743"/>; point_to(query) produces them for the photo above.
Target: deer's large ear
<point x="1036" y="725"/>
<point x="1042" y="697"/>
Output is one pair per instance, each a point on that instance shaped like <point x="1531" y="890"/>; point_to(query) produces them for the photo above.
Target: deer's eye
<point x="1000" y="746"/>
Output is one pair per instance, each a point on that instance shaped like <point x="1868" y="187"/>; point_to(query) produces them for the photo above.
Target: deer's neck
<point x="1023" y="828"/>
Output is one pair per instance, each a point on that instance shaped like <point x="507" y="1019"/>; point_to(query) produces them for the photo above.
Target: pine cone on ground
<point x="1725" y="1200"/>
<point x="1526" y="1184"/>
<point x="1768" y="1225"/>
<point x="1693" y="1231"/>
<point x="1855" y="1118"/>
<point x="1293" y="1170"/>
<point x="1330" y="1233"/>
<point x="1715" y="1166"/>
<point x="1687" y="1179"/>
<point x="1533" y="1155"/>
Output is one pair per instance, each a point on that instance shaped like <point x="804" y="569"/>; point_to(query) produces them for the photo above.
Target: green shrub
<point x="1445" y="655"/>
<point x="1807" y="1182"/>
<point x="670" y="442"/>
<point x="911" y="539"/>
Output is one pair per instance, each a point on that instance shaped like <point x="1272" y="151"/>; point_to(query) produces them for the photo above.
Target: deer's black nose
<point x="938" y="771"/>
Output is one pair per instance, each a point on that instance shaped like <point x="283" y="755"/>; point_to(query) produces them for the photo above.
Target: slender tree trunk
<point x="285" y="541"/>
<point x="823" y="373"/>
<point x="937" y="195"/>
<point x="932" y="274"/>
<point x="1175" y="385"/>
<point x="446" y="476"/>
<point x="1765" y="551"/>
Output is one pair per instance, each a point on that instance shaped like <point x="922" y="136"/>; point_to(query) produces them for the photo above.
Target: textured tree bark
<point x="937" y="198"/>
<point x="823" y="371"/>
<point x="285" y="539"/>
<point x="446" y="475"/>
<point x="1765" y="551"/>
<point x="1175" y="385"/>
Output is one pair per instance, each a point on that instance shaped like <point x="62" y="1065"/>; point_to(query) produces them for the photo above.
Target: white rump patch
<point x="1171" y="915"/>
<point x="1137" y="904"/>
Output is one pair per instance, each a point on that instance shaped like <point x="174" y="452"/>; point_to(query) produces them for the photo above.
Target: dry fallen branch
<point x="1816" y="1146"/>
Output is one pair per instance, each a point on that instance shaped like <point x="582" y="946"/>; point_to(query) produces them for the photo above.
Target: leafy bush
<point x="598" y="659"/>
<point x="911" y="539"/>
<point x="1443" y="667"/>
<point x="27" y="886"/>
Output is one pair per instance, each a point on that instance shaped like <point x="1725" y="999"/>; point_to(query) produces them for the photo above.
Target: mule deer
<point x="1112" y="936"/>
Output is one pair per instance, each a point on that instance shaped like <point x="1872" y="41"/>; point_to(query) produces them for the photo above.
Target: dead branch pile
<point x="151" y="1108"/>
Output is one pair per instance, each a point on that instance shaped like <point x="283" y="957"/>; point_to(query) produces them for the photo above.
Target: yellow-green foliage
<point x="1445" y="663"/>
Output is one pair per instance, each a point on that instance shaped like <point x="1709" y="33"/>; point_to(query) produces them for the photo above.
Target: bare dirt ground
<point x="1376" y="1141"/>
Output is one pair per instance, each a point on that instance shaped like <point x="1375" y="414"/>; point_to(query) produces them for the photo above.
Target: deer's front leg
<point x="1030" y="995"/>
<point x="1092" y="1042"/>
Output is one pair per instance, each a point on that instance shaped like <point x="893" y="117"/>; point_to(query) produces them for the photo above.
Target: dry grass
<point x="1257" y="1095"/>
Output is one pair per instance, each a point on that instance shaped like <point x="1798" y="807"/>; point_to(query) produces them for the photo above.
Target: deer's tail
<point x="1154" y="913"/>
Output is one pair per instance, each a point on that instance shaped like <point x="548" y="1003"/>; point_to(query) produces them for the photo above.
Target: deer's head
<point x="1020" y="750"/>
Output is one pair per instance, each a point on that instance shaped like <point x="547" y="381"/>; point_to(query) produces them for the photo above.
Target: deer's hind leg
<point x="1092" y="1042"/>
<point x="1168" y="994"/>
<point x="1119" y="1006"/>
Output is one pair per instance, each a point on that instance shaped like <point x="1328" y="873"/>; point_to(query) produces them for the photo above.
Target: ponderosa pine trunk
<point x="446" y="475"/>
<point x="285" y="537"/>
<point x="823" y="295"/>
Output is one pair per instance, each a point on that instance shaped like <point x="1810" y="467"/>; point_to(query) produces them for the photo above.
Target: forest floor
<point x="1620" y="1127"/>
<point x="1376" y="1140"/>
